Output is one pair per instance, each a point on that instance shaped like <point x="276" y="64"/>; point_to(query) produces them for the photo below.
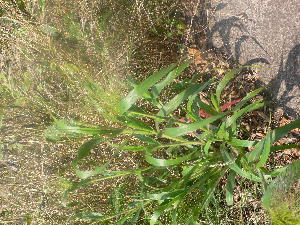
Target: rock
<point x="262" y="32"/>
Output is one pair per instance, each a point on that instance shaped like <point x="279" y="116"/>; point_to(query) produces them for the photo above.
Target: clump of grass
<point x="282" y="196"/>
<point x="286" y="213"/>
<point x="185" y="160"/>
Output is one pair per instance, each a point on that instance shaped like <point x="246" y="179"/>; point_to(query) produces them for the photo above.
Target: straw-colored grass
<point x="68" y="59"/>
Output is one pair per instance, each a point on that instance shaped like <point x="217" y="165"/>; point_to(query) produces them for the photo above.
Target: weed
<point x="186" y="161"/>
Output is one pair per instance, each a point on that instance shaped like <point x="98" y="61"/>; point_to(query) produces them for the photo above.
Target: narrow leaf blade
<point x="249" y="108"/>
<point x="88" y="173"/>
<point x="185" y="129"/>
<point x="167" y="162"/>
<point x="143" y="87"/>
<point x="181" y="97"/>
<point x="275" y="135"/>
<point x="224" y="82"/>
<point x="247" y="98"/>
<point x="169" y="79"/>
<point x="232" y="165"/>
<point x="265" y="151"/>
<point x="86" y="148"/>
<point x="230" y="187"/>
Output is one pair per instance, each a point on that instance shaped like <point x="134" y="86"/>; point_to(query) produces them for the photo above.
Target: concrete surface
<point x="263" y="32"/>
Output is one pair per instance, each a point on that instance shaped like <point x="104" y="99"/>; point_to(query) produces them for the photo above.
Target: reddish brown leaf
<point x="224" y="107"/>
<point x="229" y="104"/>
<point x="204" y="114"/>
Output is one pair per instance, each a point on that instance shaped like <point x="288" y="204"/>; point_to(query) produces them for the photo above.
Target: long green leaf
<point x="110" y="175"/>
<point x="191" y="108"/>
<point x="266" y="148"/>
<point x="275" y="135"/>
<point x="249" y="108"/>
<point x="137" y="124"/>
<point x="86" y="148"/>
<point x="135" y="148"/>
<point x="185" y="129"/>
<point x="207" y="146"/>
<point x="88" y="173"/>
<point x="223" y="132"/>
<point x="207" y="108"/>
<point x="155" y="117"/>
<point x="282" y="131"/>
<point x="136" y="131"/>
<point x="146" y="139"/>
<point x="116" y="199"/>
<point x="78" y="128"/>
<point x="230" y="187"/>
<point x="254" y="155"/>
<point x="164" y="195"/>
<point x="143" y="87"/>
<point x="241" y="143"/>
<point x="269" y="174"/>
<point x="181" y="97"/>
<point x="169" y="79"/>
<point x="232" y="165"/>
<point x="167" y="162"/>
<point x="224" y="82"/>
<point x="247" y="98"/>
<point x="284" y="147"/>
<point x="214" y="102"/>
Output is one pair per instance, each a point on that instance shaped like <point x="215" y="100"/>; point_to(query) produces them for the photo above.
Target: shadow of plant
<point x="288" y="74"/>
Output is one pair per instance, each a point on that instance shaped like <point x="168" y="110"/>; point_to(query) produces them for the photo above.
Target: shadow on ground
<point x="281" y="88"/>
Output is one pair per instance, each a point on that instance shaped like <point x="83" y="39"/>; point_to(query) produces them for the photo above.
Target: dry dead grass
<point x="38" y="84"/>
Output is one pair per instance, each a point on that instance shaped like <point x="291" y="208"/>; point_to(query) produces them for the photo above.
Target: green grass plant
<point x="282" y="197"/>
<point x="184" y="162"/>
